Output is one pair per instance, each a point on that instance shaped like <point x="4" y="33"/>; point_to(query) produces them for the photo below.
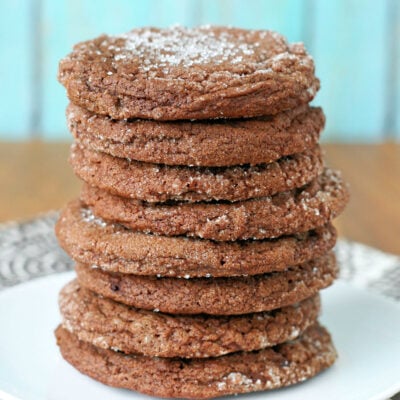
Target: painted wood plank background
<point x="355" y="44"/>
<point x="15" y="76"/>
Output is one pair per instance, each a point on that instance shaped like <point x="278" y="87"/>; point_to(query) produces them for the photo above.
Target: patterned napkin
<point x="29" y="250"/>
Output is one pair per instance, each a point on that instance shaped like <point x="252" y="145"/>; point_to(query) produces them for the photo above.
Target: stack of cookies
<point x="203" y="234"/>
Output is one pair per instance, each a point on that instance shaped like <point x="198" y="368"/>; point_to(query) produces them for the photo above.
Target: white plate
<point x="365" y="328"/>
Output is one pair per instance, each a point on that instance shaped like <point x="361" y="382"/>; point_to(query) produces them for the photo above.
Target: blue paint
<point x="395" y="8"/>
<point x="15" y="75"/>
<point x="346" y="37"/>
<point x="349" y="52"/>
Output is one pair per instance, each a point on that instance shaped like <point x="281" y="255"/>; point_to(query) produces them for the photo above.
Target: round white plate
<point x="365" y="328"/>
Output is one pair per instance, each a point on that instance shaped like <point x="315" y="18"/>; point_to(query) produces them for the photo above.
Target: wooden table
<point x="35" y="177"/>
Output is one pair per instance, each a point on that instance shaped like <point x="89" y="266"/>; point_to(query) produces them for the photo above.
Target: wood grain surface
<point x="35" y="177"/>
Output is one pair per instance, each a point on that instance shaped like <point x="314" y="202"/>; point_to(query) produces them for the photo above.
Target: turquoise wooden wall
<point x="355" y="44"/>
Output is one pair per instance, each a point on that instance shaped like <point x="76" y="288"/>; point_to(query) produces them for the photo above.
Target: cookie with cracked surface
<point x="282" y="365"/>
<point x="282" y="214"/>
<point x="214" y="296"/>
<point x="111" y="325"/>
<point x="158" y="183"/>
<point x="90" y="240"/>
<point x="201" y="143"/>
<point x="179" y="73"/>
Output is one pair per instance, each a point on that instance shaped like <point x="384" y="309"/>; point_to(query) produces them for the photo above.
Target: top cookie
<point x="180" y="73"/>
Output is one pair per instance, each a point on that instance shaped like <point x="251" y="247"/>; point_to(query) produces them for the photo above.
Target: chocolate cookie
<point x="202" y="143"/>
<point x="215" y="296"/>
<point x="111" y="325"/>
<point x="179" y="73"/>
<point x="90" y="240"/>
<point x="282" y="214"/>
<point x="243" y="372"/>
<point x="154" y="182"/>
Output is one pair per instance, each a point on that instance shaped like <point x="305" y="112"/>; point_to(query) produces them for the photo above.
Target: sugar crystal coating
<point x="180" y="73"/>
<point x="179" y="46"/>
<point x="109" y="324"/>
<point x="173" y="298"/>
<point x="285" y="213"/>
<point x="241" y="372"/>
<point x="117" y="249"/>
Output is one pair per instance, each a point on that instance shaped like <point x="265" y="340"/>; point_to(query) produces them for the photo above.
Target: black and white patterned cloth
<point x="29" y="250"/>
